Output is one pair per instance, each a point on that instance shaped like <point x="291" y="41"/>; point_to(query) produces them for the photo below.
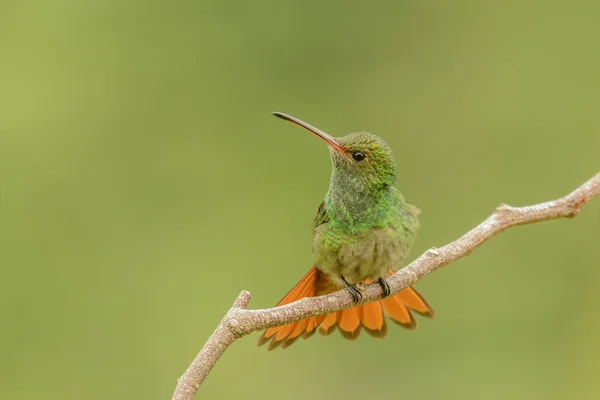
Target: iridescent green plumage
<point x="364" y="227"/>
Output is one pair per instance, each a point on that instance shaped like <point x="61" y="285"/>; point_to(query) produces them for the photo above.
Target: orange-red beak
<point x="330" y="140"/>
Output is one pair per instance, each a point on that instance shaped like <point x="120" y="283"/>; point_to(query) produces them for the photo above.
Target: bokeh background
<point x="145" y="183"/>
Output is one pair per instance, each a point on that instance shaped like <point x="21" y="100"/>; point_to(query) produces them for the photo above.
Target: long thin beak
<point x="330" y="140"/>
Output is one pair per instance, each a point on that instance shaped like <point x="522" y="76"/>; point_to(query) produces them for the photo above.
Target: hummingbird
<point x="363" y="230"/>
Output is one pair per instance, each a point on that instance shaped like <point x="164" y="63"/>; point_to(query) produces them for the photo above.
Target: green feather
<point x="364" y="227"/>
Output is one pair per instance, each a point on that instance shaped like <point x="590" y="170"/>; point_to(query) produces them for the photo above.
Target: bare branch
<point x="239" y="322"/>
<point x="219" y="341"/>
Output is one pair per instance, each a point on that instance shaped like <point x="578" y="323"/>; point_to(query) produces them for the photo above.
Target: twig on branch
<point x="239" y="322"/>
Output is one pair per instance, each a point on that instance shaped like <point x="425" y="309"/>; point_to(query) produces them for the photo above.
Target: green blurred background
<point x="145" y="183"/>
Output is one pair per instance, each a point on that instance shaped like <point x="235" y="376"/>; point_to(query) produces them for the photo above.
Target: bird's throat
<point x="354" y="205"/>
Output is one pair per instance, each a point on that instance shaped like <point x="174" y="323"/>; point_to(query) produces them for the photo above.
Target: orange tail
<point x="350" y="321"/>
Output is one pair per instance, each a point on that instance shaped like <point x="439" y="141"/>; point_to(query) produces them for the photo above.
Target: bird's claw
<point x="385" y="287"/>
<point x="356" y="294"/>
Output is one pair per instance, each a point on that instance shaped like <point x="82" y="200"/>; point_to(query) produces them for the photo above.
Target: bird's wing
<point x="321" y="217"/>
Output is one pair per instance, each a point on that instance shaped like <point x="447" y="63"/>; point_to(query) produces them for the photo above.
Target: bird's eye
<point x="358" y="156"/>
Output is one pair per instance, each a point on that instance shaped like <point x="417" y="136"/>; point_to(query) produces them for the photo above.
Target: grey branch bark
<point x="239" y="322"/>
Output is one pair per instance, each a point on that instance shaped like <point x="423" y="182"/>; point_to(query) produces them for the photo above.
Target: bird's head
<point x="361" y="156"/>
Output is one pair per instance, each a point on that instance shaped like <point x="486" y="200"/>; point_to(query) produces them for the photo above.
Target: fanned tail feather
<point x="285" y="335"/>
<point x="350" y="321"/>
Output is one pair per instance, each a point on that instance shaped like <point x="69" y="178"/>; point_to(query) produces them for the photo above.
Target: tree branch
<point x="239" y="322"/>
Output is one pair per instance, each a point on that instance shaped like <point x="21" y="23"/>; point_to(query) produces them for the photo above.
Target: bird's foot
<point x="356" y="294"/>
<point x="384" y="285"/>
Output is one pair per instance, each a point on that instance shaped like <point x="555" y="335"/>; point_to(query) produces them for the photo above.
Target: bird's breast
<point x="358" y="256"/>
